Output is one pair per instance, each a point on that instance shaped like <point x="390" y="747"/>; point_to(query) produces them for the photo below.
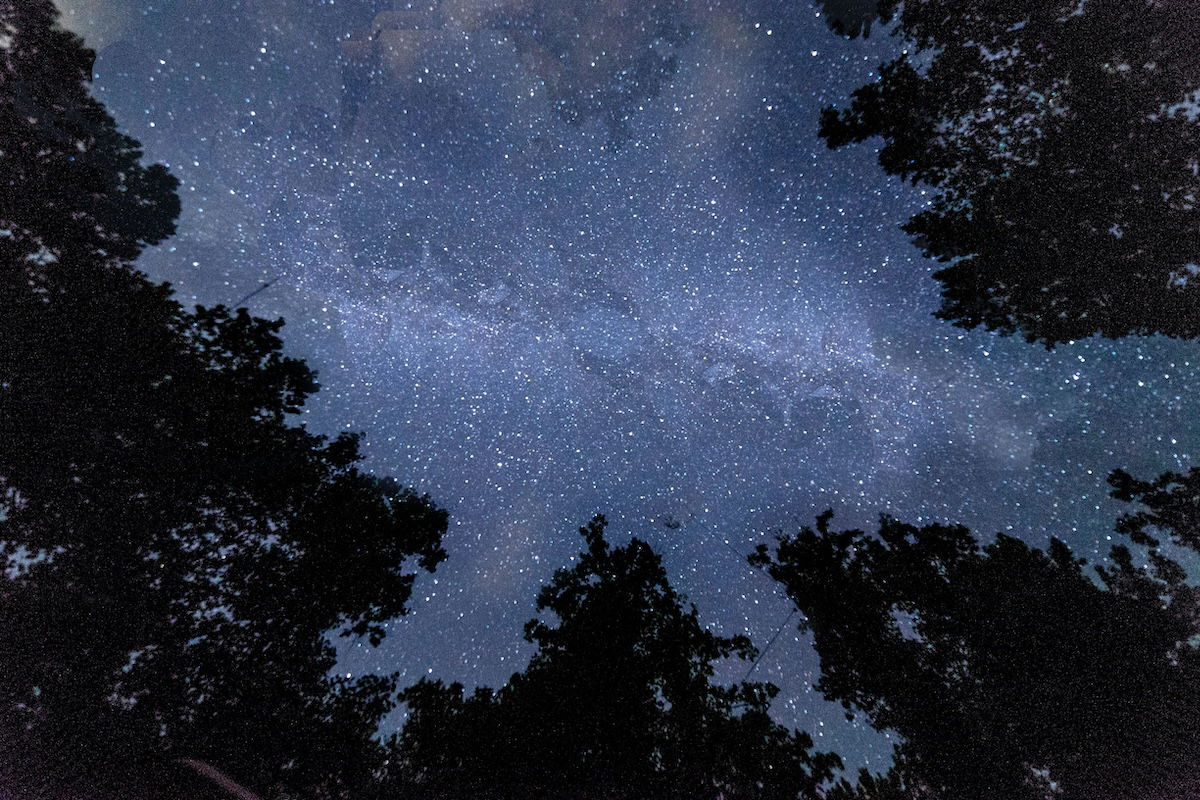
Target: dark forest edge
<point x="1058" y="139"/>
<point x="177" y="547"/>
<point x="179" y="550"/>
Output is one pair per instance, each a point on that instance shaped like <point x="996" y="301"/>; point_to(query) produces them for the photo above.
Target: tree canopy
<point x="1060" y="141"/>
<point x="1007" y="671"/>
<point x="176" y="548"/>
<point x="72" y="181"/>
<point x="617" y="702"/>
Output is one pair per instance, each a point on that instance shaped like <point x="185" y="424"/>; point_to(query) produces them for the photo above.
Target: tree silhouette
<point x="1059" y="139"/>
<point x="1008" y="672"/>
<point x="618" y="701"/>
<point x="72" y="181"/>
<point x="175" y="548"/>
<point x="1170" y="507"/>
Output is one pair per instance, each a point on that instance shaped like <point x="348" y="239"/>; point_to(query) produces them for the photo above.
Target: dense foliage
<point x="73" y="183"/>
<point x="177" y="548"/>
<point x="617" y="702"/>
<point x="1008" y="672"/>
<point x="1060" y="141"/>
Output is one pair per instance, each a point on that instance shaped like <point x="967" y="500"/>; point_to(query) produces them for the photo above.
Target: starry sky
<point x="686" y="314"/>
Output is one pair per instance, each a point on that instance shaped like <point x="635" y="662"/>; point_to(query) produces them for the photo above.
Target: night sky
<point x="699" y="322"/>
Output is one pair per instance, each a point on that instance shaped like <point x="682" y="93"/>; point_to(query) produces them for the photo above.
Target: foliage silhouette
<point x="1060" y="141"/>
<point x="618" y="701"/>
<point x="72" y="182"/>
<point x="852" y="18"/>
<point x="176" y="548"/>
<point x="1169" y="507"/>
<point x="1008" y="672"/>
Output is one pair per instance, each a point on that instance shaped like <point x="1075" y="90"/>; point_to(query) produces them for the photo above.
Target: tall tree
<point x="618" y="701"/>
<point x="1008" y="672"/>
<point x="175" y="548"/>
<point x="72" y="182"/>
<point x="1060" y="141"/>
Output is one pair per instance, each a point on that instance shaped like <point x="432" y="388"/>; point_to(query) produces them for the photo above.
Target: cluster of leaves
<point x="1059" y="138"/>
<point x="1008" y="672"/>
<point x="72" y="181"/>
<point x="175" y="548"/>
<point x="617" y="702"/>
